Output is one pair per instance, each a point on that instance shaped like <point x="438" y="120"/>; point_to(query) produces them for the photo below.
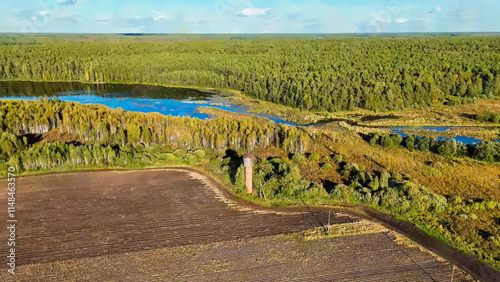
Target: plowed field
<point x="74" y="215"/>
<point x="176" y="224"/>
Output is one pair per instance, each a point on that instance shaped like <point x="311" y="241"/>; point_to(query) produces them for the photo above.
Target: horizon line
<point x="281" y="33"/>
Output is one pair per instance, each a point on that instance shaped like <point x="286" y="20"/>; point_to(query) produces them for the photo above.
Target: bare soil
<point x="369" y="257"/>
<point x="148" y="226"/>
<point x="75" y="215"/>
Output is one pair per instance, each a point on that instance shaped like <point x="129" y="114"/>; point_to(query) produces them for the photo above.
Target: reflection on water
<point x="136" y="98"/>
<point x="149" y="99"/>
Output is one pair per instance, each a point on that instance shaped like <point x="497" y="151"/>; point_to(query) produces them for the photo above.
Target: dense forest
<point x="99" y="125"/>
<point x="320" y="74"/>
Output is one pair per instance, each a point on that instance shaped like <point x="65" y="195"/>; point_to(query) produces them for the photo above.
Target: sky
<point x="249" y="16"/>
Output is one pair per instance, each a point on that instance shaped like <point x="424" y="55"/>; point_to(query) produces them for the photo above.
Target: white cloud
<point x="158" y="15"/>
<point x="44" y="12"/>
<point x="401" y="20"/>
<point x="438" y="8"/>
<point x="34" y="18"/>
<point x="66" y="2"/>
<point x="249" y="12"/>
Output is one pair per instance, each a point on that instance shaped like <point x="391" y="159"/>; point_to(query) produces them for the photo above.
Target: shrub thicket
<point x="486" y="151"/>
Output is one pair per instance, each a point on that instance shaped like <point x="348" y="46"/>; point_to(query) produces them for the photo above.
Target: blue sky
<point x="249" y="16"/>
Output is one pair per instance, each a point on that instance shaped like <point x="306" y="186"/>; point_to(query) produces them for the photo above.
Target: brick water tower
<point x="248" y="163"/>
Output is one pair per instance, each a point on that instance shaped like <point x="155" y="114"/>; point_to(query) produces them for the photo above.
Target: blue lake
<point x="147" y="99"/>
<point x="137" y="98"/>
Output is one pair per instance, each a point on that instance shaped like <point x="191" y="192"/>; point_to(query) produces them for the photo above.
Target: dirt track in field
<point x="85" y="215"/>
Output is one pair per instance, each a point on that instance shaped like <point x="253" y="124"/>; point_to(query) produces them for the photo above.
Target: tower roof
<point x="249" y="156"/>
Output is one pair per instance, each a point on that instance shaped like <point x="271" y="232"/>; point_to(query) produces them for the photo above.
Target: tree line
<point x="488" y="151"/>
<point x="48" y="156"/>
<point x="98" y="125"/>
<point x="314" y="74"/>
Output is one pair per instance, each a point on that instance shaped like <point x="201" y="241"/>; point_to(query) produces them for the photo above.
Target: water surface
<point x="184" y="102"/>
<point x="172" y="101"/>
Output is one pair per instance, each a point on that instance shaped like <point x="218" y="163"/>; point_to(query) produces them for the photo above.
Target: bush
<point x="489" y="116"/>
<point x="327" y="167"/>
<point x="386" y="141"/>
<point x="314" y="157"/>
<point x="200" y="154"/>
<point x="343" y="193"/>
<point x="360" y="167"/>
<point x="190" y="159"/>
<point x="487" y="151"/>
<point x="448" y="148"/>
<point x="423" y="144"/>
<point x="348" y="169"/>
<point x="410" y="142"/>
<point x="396" y="139"/>
<point x="338" y="158"/>
<point x="374" y="184"/>
<point x="240" y="179"/>
<point x="297" y="158"/>
<point x="384" y="179"/>
<point x="374" y="139"/>
<point x="180" y="153"/>
<point x="169" y="157"/>
<point x="397" y="176"/>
